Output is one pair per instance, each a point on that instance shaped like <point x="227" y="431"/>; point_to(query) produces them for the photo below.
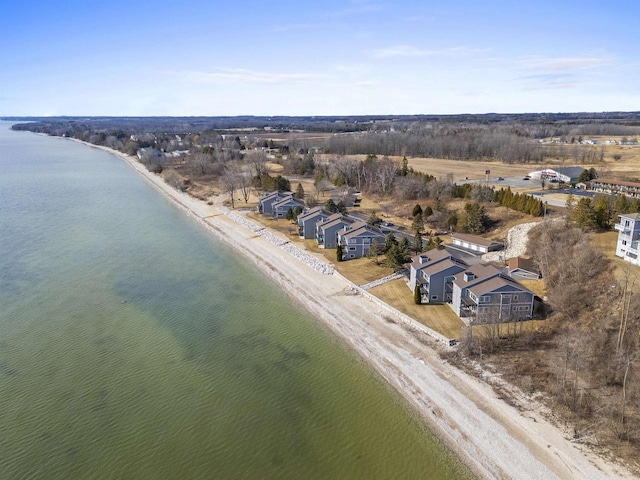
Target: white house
<point x="628" y="236"/>
<point x="475" y="243"/>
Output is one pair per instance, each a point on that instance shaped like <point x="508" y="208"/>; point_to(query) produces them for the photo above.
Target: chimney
<point x="468" y="276"/>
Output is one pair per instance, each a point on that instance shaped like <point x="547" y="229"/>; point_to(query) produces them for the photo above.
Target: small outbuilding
<point x="475" y="243"/>
<point x="523" y="268"/>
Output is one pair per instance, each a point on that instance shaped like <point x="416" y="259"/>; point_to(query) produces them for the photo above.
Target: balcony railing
<point x="621" y="228"/>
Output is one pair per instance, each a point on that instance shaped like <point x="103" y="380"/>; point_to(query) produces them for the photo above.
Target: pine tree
<point x="389" y="242"/>
<point x="339" y="253"/>
<point x="583" y="214"/>
<point x="404" y="168"/>
<point x="417" y="296"/>
<point x="418" y="223"/>
<point x="289" y="216"/>
<point x="331" y="206"/>
<point x="417" y="242"/>
<point x="417" y="210"/>
<point x="299" y="192"/>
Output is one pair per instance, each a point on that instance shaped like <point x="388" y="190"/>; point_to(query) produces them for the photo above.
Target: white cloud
<point x="565" y="63"/>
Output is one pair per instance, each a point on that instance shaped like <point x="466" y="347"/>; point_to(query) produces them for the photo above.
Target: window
<point x="352" y="256"/>
<point x="352" y="249"/>
<point x="352" y="241"/>
<point x="624" y="242"/>
<point x="485" y="299"/>
<point x="434" y="297"/>
<point x="515" y="297"/>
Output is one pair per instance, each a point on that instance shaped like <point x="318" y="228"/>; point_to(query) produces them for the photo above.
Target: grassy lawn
<point x="358" y="270"/>
<point x="361" y="270"/>
<point x="536" y="286"/>
<point x="438" y="317"/>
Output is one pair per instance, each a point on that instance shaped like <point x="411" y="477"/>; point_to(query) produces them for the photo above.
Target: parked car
<point x="525" y="178"/>
<point x="500" y="179"/>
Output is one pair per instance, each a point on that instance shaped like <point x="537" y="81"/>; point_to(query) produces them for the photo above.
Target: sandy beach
<point x="493" y="438"/>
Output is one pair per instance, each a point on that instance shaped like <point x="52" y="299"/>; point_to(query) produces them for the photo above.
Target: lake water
<point x="134" y="346"/>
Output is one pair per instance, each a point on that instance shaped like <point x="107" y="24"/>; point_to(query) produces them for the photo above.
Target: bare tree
<point x="244" y="184"/>
<point x="230" y="183"/>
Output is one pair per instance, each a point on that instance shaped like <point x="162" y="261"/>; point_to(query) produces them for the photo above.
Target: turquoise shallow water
<point x="132" y="345"/>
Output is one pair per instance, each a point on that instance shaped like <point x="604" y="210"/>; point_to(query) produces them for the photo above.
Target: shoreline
<point x="492" y="438"/>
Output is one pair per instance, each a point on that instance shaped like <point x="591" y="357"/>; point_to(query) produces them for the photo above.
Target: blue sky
<point x="284" y="57"/>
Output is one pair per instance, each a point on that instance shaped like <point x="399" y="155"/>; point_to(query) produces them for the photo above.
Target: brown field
<point x="510" y="328"/>
<point x="437" y="317"/>
<point x="606" y="242"/>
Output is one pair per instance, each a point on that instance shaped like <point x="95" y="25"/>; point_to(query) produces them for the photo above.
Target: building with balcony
<point x="628" y="236"/>
<point x="327" y="231"/>
<point x="358" y="238"/>
<point x="266" y="203"/>
<point x="615" y="187"/>
<point x="485" y="294"/>
<point x="433" y="272"/>
<point x="308" y="221"/>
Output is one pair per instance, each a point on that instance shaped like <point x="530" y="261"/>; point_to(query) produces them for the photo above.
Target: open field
<point x="606" y="242"/>
<point x="502" y="329"/>
<point x="438" y="317"/>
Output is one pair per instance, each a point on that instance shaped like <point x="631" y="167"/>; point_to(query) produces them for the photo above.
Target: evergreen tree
<point x="418" y="223"/>
<point x="452" y="221"/>
<point x="405" y="247"/>
<point x="417" y="296"/>
<point x="583" y="215"/>
<point x="376" y="249"/>
<point x="289" y="216"/>
<point x="374" y="220"/>
<point x="428" y="211"/>
<point x="417" y="210"/>
<point x="404" y="168"/>
<point x="282" y="184"/>
<point x="389" y="242"/>
<point x="330" y="206"/>
<point x="339" y="253"/>
<point x="602" y="213"/>
<point x="299" y="192"/>
<point x="341" y="207"/>
<point x="475" y="218"/>
<point x="417" y="242"/>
